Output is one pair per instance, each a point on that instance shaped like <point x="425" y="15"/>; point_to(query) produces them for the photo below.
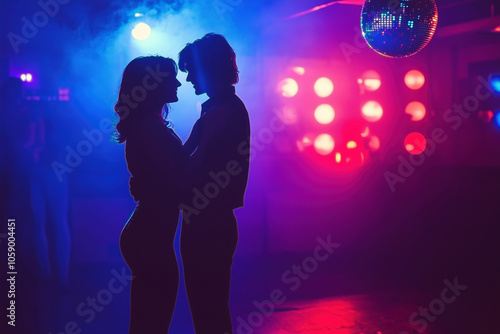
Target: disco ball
<point x="398" y="28"/>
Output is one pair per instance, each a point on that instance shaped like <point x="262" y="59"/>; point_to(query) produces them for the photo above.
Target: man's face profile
<point x="196" y="78"/>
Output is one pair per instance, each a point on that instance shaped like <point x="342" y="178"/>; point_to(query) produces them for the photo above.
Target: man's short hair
<point x="213" y="56"/>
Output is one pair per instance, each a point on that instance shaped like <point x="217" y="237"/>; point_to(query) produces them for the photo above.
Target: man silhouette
<point x="209" y="231"/>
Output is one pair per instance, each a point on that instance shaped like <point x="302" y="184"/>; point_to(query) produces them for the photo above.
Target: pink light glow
<point x="323" y="87"/>
<point x="414" y="79"/>
<point x="372" y="111"/>
<point x="416" y="110"/>
<point x="371" y="80"/>
<point x="415" y="143"/>
<point x="288" y="87"/>
<point x="324" y="144"/>
<point x="324" y="114"/>
<point x="374" y="143"/>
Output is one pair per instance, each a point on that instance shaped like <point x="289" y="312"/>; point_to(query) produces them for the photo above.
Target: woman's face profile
<point x="170" y="88"/>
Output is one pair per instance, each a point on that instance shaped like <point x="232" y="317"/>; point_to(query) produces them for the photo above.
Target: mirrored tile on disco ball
<point x="398" y="28"/>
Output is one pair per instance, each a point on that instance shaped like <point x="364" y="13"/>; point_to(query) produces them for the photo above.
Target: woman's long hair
<point x="142" y="92"/>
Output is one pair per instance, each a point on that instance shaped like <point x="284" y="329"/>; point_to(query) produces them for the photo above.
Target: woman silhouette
<point x="156" y="159"/>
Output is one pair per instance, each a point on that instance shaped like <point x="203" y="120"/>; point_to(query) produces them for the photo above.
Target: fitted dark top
<point x="155" y="158"/>
<point x="231" y="143"/>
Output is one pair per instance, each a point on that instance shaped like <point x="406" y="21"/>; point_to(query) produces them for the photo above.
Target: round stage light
<point x="398" y="28"/>
<point x="351" y="144"/>
<point x="288" y="87"/>
<point x="323" y="87"/>
<point x="415" y="143"/>
<point x="23" y="77"/>
<point x="141" y="31"/>
<point x="414" y="79"/>
<point x="372" y="111"/>
<point x="371" y="80"/>
<point x="416" y="110"/>
<point x="324" y="144"/>
<point x="324" y="114"/>
<point x="29" y="77"/>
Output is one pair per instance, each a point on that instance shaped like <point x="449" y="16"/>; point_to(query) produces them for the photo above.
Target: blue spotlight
<point x="497" y="119"/>
<point x="495" y="83"/>
<point x="141" y="31"/>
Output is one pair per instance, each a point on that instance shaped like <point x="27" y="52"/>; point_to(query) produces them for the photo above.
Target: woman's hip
<point x="149" y="230"/>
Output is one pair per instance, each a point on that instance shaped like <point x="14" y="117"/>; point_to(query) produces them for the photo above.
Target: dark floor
<point x="392" y="276"/>
<point x="326" y="302"/>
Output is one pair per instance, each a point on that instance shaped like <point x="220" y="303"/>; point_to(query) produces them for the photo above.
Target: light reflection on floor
<point x="360" y="314"/>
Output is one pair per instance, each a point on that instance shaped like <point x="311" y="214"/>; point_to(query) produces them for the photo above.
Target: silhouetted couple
<point x="205" y="178"/>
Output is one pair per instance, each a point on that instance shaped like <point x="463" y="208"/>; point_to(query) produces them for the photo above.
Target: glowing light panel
<point x="372" y="111"/>
<point x="324" y="144"/>
<point x="141" y="31"/>
<point x="288" y="87"/>
<point x="324" y="114"/>
<point x="416" y="110"/>
<point x="414" y="79"/>
<point x="323" y="87"/>
<point x="415" y="143"/>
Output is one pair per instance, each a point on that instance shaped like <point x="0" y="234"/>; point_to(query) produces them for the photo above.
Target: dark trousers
<point x="208" y="243"/>
<point x="146" y="243"/>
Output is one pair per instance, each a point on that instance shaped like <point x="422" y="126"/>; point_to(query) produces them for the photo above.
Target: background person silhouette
<point x="209" y="232"/>
<point x="33" y="138"/>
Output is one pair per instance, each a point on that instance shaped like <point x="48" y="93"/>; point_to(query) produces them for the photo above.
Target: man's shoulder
<point x="231" y="107"/>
